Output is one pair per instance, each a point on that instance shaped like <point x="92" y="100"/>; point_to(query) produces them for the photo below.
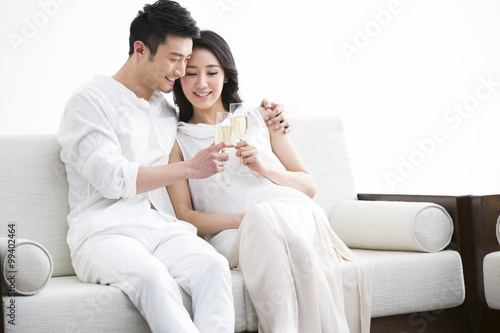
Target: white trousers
<point x="149" y="262"/>
<point x="291" y="261"/>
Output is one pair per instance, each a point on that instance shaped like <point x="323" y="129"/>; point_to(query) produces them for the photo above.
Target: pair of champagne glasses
<point x="228" y="124"/>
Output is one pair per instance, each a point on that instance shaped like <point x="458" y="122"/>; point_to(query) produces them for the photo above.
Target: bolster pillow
<point x="498" y="229"/>
<point x="26" y="266"/>
<point x="392" y="225"/>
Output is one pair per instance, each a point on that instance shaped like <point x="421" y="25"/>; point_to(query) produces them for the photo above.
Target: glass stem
<point x="241" y="159"/>
<point x="223" y="178"/>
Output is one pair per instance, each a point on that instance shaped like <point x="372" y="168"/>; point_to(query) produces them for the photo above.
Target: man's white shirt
<point x="106" y="133"/>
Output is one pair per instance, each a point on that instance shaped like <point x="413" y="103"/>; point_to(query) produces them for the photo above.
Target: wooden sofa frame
<point x="485" y="212"/>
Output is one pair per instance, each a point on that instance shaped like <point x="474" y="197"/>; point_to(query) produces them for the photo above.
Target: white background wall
<point x="416" y="82"/>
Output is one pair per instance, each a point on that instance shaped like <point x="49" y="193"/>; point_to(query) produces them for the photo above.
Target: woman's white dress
<point x="289" y="256"/>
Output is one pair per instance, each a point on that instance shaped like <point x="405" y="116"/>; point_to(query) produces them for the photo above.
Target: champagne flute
<point x="223" y="134"/>
<point x="239" y="122"/>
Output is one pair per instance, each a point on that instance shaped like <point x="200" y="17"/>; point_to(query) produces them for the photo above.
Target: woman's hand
<point x="250" y="157"/>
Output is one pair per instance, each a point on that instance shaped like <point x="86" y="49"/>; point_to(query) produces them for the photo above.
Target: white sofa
<point x="419" y="280"/>
<point x="484" y="230"/>
<point x="491" y="271"/>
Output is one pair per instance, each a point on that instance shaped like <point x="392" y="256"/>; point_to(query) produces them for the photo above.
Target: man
<point x="116" y="135"/>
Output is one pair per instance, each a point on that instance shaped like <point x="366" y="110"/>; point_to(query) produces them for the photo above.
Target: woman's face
<point x="202" y="85"/>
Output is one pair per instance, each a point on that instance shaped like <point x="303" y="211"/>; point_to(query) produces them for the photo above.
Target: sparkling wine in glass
<point x="239" y="122"/>
<point x="223" y="134"/>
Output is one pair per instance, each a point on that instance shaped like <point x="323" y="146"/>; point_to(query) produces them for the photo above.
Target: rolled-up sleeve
<point x="91" y="148"/>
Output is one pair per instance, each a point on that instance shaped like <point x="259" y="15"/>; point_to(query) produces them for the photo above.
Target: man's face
<point x="167" y="65"/>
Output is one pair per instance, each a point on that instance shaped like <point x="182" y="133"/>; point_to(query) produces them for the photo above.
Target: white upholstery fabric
<point x="68" y="305"/>
<point x="491" y="275"/>
<point x="407" y="282"/>
<point x="491" y="271"/>
<point x="323" y="137"/>
<point x="34" y="194"/>
<point x="389" y="225"/>
<point x="31" y="269"/>
<point x="404" y="282"/>
<point x="498" y="229"/>
<point x="72" y="306"/>
<point x="243" y="308"/>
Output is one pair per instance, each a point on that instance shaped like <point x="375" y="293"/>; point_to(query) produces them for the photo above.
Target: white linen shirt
<point x="106" y="133"/>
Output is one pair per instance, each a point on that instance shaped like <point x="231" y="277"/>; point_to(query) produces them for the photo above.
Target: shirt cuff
<point x="130" y="171"/>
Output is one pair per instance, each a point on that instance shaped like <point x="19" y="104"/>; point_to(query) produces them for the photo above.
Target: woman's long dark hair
<point x="214" y="43"/>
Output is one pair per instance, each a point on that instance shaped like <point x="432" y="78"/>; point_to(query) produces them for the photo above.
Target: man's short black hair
<point x="155" y="21"/>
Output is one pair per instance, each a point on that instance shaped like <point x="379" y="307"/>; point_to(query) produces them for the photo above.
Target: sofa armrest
<point x="485" y="213"/>
<point x="460" y="210"/>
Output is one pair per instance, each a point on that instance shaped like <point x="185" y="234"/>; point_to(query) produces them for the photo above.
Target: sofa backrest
<point x="34" y="194"/>
<point x="34" y="189"/>
<point x="320" y="141"/>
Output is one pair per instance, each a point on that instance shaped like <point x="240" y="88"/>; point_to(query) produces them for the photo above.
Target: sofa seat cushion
<point x="406" y="282"/>
<point x="68" y="305"/>
<point x="491" y="271"/>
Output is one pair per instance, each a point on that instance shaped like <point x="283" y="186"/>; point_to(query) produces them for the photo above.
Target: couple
<point x="116" y="136"/>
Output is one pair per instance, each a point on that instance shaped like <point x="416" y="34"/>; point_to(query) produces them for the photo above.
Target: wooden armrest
<point x="485" y="212"/>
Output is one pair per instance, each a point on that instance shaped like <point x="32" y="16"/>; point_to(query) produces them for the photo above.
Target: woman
<point x="288" y="254"/>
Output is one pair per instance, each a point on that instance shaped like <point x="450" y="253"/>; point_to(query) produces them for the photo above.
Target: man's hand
<point x="209" y="161"/>
<point x="276" y="116"/>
